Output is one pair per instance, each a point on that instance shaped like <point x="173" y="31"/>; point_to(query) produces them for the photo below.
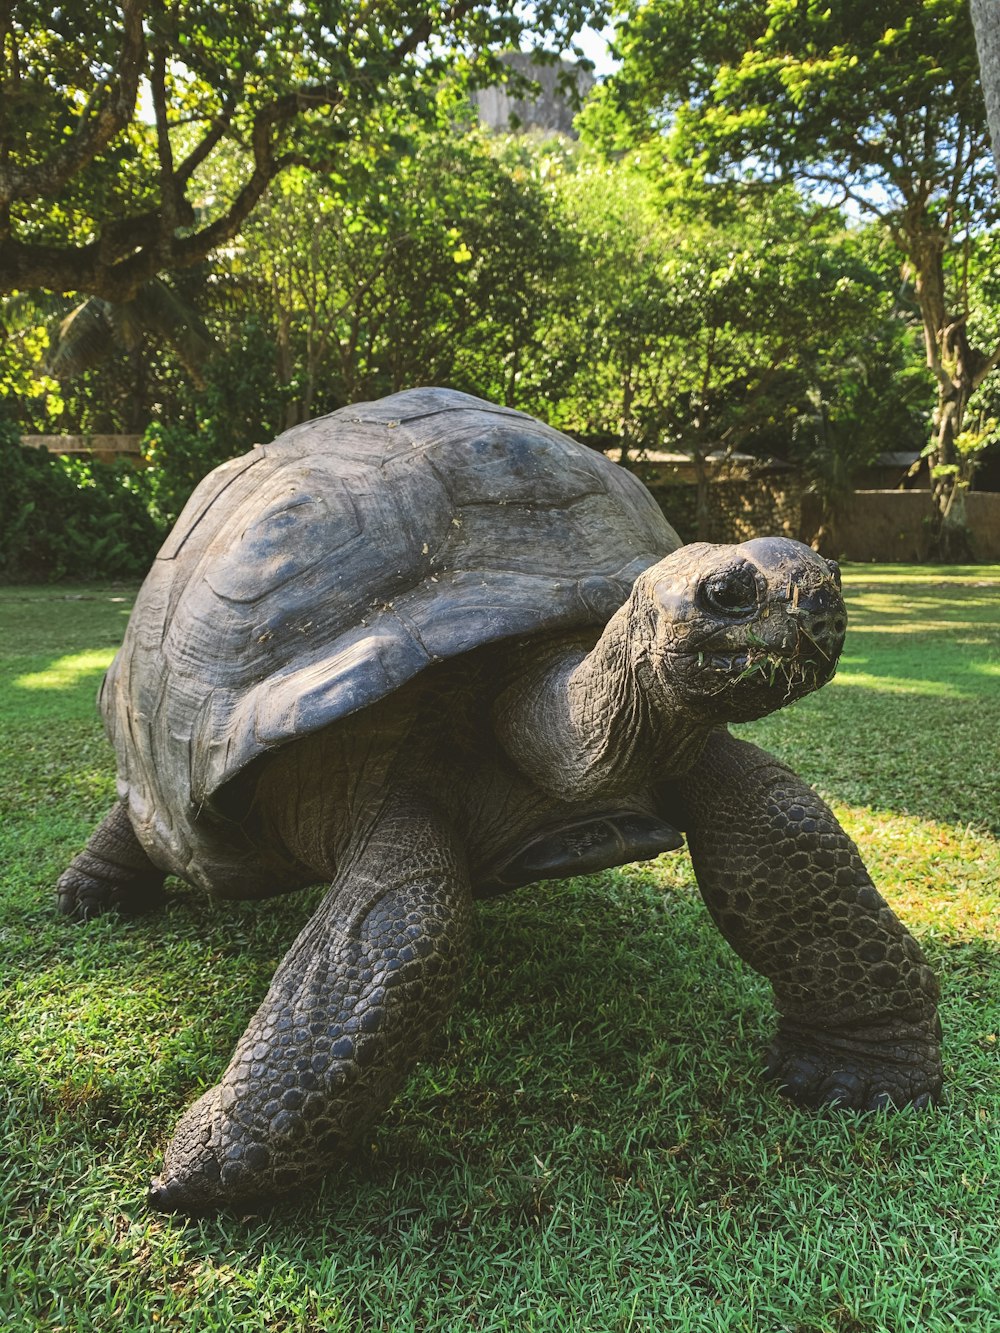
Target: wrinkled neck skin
<point x="584" y="724"/>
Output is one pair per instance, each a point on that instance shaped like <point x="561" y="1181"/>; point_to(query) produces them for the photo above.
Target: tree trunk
<point x="626" y="422"/>
<point x="986" y="21"/>
<point x="953" y="362"/>
<point x="702" y="509"/>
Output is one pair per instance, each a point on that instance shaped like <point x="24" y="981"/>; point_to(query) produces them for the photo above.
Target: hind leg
<point x="111" y="873"/>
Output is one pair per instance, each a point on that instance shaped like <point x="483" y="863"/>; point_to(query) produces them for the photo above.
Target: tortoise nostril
<point x="840" y="625"/>
<point x="820" y="624"/>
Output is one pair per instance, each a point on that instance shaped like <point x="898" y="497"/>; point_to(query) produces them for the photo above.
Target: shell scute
<point x="292" y="535"/>
<point x="508" y="466"/>
<point x="201" y="500"/>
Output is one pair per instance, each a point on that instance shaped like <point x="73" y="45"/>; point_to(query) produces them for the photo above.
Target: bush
<point x="61" y="517"/>
<point x="177" y="458"/>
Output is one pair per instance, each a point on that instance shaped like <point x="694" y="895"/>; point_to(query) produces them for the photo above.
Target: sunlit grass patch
<point x="850" y="677"/>
<point x="67" y="671"/>
<point x="940" y="878"/>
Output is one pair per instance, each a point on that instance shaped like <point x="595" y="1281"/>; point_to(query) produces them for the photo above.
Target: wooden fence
<point x="105" y="448"/>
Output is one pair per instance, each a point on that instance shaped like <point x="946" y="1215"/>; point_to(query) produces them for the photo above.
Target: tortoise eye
<point x="732" y="591"/>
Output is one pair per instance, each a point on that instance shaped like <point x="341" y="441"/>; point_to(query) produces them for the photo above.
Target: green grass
<point x="591" y="1146"/>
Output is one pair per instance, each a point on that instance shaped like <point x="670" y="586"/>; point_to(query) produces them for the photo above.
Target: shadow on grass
<point x="602" y="1012"/>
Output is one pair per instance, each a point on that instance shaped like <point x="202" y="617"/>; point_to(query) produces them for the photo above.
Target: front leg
<point x="786" y="886"/>
<point x="350" y="1010"/>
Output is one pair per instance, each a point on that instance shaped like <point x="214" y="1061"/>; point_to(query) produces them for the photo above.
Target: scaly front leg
<point x="857" y="1002"/>
<point x="350" y="1010"/>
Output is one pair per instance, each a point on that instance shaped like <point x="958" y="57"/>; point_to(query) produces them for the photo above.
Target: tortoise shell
<point x="312" y="576"/>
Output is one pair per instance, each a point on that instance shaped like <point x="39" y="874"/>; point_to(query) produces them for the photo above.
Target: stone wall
<point x="982" y="513"/>
<point x="896" y="525"/>
<point x="883" y="526"/>
<point x="737" y="510"/>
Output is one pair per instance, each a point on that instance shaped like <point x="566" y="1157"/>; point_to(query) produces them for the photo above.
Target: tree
<point x="97" y="192"/>
<point x="94" y="329"/>
<point x="438" y="270"/>
<point x="717" y="336"/>
<point x="874" y="106"/>
<point x="986" y="22"/>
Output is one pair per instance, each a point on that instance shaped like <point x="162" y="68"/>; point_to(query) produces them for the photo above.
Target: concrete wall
<point x="875" y="525"/>
<point x="884" y="525"/>
<point x="982" y="513"/>
<point x="105" y="448"/>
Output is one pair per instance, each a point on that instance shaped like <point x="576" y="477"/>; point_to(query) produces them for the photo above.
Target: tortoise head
<point x="738" y="631"/>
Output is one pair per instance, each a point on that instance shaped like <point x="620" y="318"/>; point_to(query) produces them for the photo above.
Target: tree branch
<point x="131" y="250"/>
<point x="164" y="152"/>
<point x="115" y="106"/>
<point x="204" y="148"/>
<point x="986" y="367"/>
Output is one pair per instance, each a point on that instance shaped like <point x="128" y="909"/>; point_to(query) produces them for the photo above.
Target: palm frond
<point x="81" y="340"/>
<point x="95" y="329"/>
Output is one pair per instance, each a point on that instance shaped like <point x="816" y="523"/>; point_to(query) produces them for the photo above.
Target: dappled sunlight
<point x="938" y="878"/>
<point x="905" y="623"/>
<point x="932" y="600"/>
<point x="898" y="576"/>
<point x="65" y="673"/>
<point x="938" y="689"/>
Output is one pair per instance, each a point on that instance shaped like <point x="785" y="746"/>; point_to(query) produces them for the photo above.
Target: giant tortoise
<point x="428" y="649"/>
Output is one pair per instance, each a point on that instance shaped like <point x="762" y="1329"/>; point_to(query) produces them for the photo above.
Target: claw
<point x="876" y="1075"/>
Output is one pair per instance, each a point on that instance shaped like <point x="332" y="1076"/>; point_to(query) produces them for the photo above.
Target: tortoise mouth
<point x="751" y="680"/>
<point x="765" y="663"/>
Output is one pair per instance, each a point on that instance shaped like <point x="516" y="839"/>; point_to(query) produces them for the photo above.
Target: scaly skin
<point x="112" y="873"/>
<point x="351" y="1009"/>
<point x="785" y="884"/>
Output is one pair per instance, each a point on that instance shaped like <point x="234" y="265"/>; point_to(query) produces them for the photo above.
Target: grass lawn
<point x="591" y="1146"/>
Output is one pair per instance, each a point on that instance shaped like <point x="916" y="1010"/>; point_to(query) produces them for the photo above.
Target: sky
<point x="594" y="45"/>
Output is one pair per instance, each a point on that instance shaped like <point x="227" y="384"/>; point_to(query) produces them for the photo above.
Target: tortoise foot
<point x="891" y="1066"/>
<point x="83" y="895"/>
<point x="212" y="1162"/>
<point x="112" y="873"/>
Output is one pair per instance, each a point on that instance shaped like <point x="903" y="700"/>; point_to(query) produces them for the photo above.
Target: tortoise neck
<point x="628" y="728"/>
<point x="584" y="724"/>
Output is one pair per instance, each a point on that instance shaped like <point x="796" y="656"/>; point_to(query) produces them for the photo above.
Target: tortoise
<point x="428" y="649"/>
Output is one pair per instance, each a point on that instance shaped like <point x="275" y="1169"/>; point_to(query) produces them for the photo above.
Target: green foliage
<point x="177" y="457"/>
<point x="732" y="333"/>
<point x="65" y="518"/>
<point x="590" y="1146"/>
<point x="238" y="405"/>
<point x="434" y="264"/>
<point x="100" y="199"/>
<point x="874" y="106"/>
<point x="537" y="275"/>
<point x="93" y="329"/>
<point x="852" y="96"/>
